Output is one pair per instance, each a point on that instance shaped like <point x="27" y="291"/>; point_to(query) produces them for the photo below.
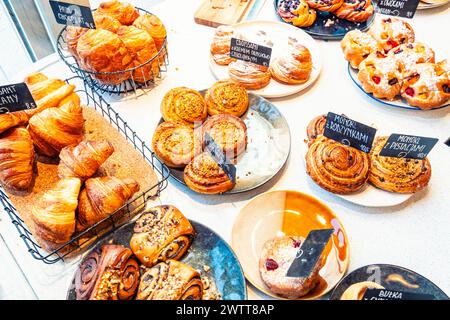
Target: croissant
<point x="101" y="197"/>
<point x="16" y="159"/>
<point x="125" y="13"/>
<point x="56" y="128"/>
<point x="54" y="218"/>
<point x="154" y="26"/>
<point x="10" y="120"/>
<point x="83" y="160"/>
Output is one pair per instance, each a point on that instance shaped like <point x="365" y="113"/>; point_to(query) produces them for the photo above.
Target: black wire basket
<point x="160" y="62"/>
<point x="85" y="239"/>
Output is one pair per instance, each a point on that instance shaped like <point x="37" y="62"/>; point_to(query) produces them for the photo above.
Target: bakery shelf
<point x="87" y="238"/>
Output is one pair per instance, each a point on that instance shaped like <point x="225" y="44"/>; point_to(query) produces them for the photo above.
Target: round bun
<point x="185" y="106"/>
<point x="227" y="97"/>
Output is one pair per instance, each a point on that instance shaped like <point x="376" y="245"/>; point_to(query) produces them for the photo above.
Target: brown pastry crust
<point x="203" y="175"/>
<point x="184" y="106"/>
<point x="357" y="46"/>
<point x="154" y="26"/>
<point x="398" y="175"/>
<point x="391" y="32"/>
<point x="220" y="46"/>
<point x="316" y="127"/>
<point x="228" y="132"/>
<point x="161" y="233"/>
<point x="124" y="12"/>
<point x="293" y="68"/>
<point x="176" y="144"/>
<point x="325" y="5"/>
<point x="251" y="76"/>
<point x="355" y="10"/>
<point x="336" y="167"/>
<point x="227" y="97"/>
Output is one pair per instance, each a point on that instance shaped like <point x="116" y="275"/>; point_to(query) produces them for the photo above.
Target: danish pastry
<point x="380" y="75"/>
<point x="227" y="97"/>
<point x="357" y="290"/>
<point x="220" y="46"/>
<point x="304" y="15"/>
<point x="124" y="12"/>
<point x="154" y="26"/>
<point x="184" y="106"/>
<point x="391" y="32"/>
<point x="398" y="175"/>
<point x="204" y="175"/>
<point x="335" y="167"/>
<point x="285" y="8"/>
<point x="249" y="75"/>
<point x="176" y="145"/>
<point x="316" y="127"/>
<point x="325" y="5"/>
<point x="426" y="85"/>
<point x="355" y="10"/>
<point x="228" y="132"/>
<point x="410" y="54"/>
<point x="161" y="233"/>
<point x="357" y="46"/>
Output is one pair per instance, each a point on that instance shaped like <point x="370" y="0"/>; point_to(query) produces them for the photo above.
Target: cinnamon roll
<point x="227" y="97"/>
<point x="335" y="167"/>
<point x="220" y="46"/>
<point x="161" y="233"/>
<point x="250" y="75"/>
<point x="316" y="127"/>
<point x="170" y="280"/>
<point x="184" y="106"/>
<point x="399" y="175"/>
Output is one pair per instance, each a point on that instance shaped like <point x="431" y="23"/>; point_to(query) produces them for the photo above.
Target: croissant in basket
<point x="154" y="26"/>
<point x="101" y="197"/>
<point x="125" y="13"/>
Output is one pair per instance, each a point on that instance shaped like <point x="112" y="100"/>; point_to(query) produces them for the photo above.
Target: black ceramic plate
<point x="391" y="277"/>
<point x="336" y="29"/>
<point x="207" y="249"/>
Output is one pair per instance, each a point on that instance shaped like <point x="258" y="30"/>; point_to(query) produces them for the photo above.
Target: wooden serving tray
<point x="214" y="13"/>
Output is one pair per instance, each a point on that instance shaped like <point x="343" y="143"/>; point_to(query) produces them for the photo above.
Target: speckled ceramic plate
<point x="279" y="213"/>
<point x="329" y="27"/>
<point x="390" y="277"/>
<point x="207" y="249"/>
<point x="268" y="146"/>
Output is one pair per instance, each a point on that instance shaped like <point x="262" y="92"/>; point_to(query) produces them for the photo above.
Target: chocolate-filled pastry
<point x="176" y="144"/>
<point x="170" y="280"/>
<point x="276" y="258"/>
<point x="316" y="127"/>
<point x="204" y="175"/>
<point x="185" y="106"/>
<point x="154" y="26"/>
<point x="161" y="233"/>
<point x="16" y="159"/>
<point x="83" y="160"/>
<point x="227" y="97"/>
<point x="228" y="132"/>
<point x="399" y="175"/>
<point x="357" y="46"/>
<point x="249" y="75"/>
<point x="391" y="32"/>
<point x="325" y="5"/>
<point x="107" y="273"/>
<point x="294" y="67"/>
<point x="335" y="167"/>
<point x="124" y="12"/>
<point x="221" y="43"/>
<point x="357" y="290"/>
<point x="355" y="10"/>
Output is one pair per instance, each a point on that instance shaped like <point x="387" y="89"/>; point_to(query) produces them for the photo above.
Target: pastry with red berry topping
<point x="357" y="46"/>
<point x="276" y="258"/>
<point x="355" y="10"/>
<point x="391" y="32"/>
<point x="410" y="54"/>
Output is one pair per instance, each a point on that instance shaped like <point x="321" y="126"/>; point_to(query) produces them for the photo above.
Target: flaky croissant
<point x="154" y="26"/>
<point x="54" y="217"/>
<point x="101" y="197"/>
<point x="56" y="128"/>
<point x="16" y="159"/>
<point x="83" y="160"/>
<point x="125" y="13"/>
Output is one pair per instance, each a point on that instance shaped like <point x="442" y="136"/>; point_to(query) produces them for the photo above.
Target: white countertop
<point x="414" y="234"/>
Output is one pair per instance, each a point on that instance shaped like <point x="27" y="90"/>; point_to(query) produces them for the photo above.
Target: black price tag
<point x="309" y="253"/>
<point x="405" y="146"/>
<point x="398" y="8"/>
<point x="77" y="14"/>
<point x="220" y="158"/>
<point x="349" y="132"/>
<point x="251" y="52"/>
<point x="385" y="294"/>
<point x="15" y="97"/>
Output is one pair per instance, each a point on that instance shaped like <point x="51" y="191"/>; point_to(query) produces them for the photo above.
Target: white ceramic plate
<point x="431" y="4"/>
<point x="278" y="33"/>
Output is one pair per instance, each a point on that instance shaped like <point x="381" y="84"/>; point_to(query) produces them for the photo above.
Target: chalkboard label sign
<point x="405" y="146"/>
<point x="78" y="13"/>
<point x="398" y="8"/>
<point x="220" y="158"/>
<point x="309" y="253"/>
<point x="385" y="294"/>
<point x="250" y="52"/>
<point x="15" y="97"/>
<point x="349" y="132"/>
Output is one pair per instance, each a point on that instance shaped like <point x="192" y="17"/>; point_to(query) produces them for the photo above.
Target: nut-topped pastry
<point x="185" y="106"/>
<point x="227" y="97"/>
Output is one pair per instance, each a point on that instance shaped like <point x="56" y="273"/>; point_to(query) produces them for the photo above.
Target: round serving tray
<point x="423" y="5"/>
<point x="207" y="249"/>
<point x="391" y="277"/>
<point x="329" y="27"/>
<point x="268" y="146"/>
<point x="399" y="103"/>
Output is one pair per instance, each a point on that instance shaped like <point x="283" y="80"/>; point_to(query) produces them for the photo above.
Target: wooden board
<point x="214" y="13"/>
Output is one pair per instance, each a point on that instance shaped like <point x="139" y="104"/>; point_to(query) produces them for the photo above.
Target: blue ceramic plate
<point x="391" y="277"/>
<point x="399" y="103"/>
<point x="337" y="27"/>
<point x="208" y="248"/>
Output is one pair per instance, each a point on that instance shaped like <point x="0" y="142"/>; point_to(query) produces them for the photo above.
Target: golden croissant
<point x="83" y="160"/>
<point x="101" y="197"/>
<point x="56" y="128"/>
<point x="54" y="218"/>
<point x="16" y="159"/>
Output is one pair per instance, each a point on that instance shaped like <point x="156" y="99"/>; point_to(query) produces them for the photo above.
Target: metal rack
<point x="85" y="239"/>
